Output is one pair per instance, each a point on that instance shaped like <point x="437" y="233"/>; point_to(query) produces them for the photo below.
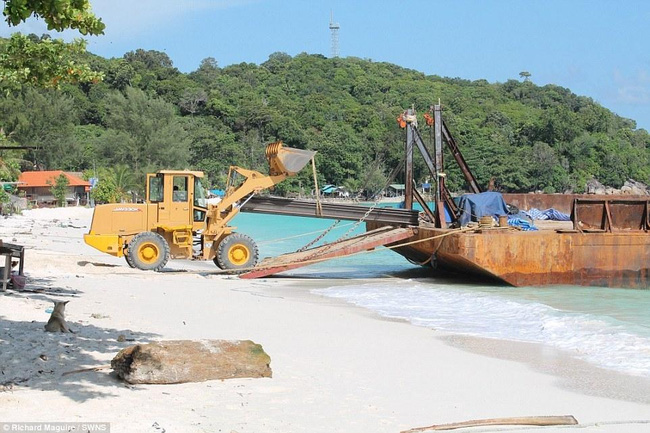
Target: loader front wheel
<point x="148" y="251"/>
<point x="128" y="260"/>
<point x="236" y="251"/>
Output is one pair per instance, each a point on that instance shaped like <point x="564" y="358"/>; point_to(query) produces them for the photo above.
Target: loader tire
<point x="148" y="251"/>
<point x="128" y="260"/>
<point x="236" y="251"/>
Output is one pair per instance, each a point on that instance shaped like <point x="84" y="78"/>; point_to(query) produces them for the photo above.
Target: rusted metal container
<point x="561" y="202"/>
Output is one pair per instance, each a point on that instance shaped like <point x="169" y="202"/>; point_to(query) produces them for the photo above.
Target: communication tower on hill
<point x="334" y="28"/>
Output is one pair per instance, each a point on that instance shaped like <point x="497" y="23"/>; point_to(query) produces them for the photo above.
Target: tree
<point x="58" y="15"/>
<point x="105" y="191"/>
<point x="47" y="62"/>
<point x="125" y="181"/>
<point x="277" y="61"/>
<point x="116" y="184"/>
<point x="373" y="181"/>
<point x="543" y="163"/>
<point x="44" y="119"/>
<point x="192" y="100"/>
<point x="120" y="74"/>
<point x="343" y="108"/>
<point x="59" y="189"/>
<point x="9" y="165"/>
<point x="4" y="197"/>
<point x="149" y="59"/>
<point x="43" y="62"/>
<point x="207" y="72"/>
<point x="144" y="132"/>
<point x="525" y="75"/>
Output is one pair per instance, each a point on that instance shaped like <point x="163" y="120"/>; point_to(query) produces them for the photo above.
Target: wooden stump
<point x="182" y="361"/>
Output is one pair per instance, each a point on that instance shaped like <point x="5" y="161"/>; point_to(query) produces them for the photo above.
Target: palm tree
<point x="9" y="167"/>
<point x="124" y="179"/>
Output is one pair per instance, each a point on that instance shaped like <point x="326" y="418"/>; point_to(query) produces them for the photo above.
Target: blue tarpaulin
<point x="218" y="192"/>
<point x="474" y="206"/>
<point x="548" y="214"/>
<point x="523" y="224"/>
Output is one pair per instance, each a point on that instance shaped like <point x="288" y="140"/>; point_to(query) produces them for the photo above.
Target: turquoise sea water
<point x="276" y="235"/>
<point x="607" y="327"/>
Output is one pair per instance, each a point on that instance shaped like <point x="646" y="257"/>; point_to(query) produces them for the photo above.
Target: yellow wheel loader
<point x="176" y="221"/>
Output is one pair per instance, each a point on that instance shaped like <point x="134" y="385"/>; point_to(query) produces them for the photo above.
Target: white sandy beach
<point x="336" y="368"/>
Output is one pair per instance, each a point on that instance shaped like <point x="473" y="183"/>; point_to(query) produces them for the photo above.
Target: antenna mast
<point x="334" y="28"/>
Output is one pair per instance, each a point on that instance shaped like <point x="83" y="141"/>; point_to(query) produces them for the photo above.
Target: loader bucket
<point x="286" y="160"/>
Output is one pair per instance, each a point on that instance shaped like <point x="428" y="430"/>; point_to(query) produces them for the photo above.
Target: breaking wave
<point x="601" y="339"/>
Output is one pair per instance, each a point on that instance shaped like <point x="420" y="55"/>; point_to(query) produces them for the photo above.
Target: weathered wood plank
<point x="524" y="420"/>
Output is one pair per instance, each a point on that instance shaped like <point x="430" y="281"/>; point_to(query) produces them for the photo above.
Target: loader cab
<point x="179" y="197"/>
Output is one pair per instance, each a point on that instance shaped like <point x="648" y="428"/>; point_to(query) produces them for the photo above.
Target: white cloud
<point x="127" y="18"/>
<point x="124" y="18"/>
<point x="634" y="89"/>
<point x="633" y="95"/>
<point x="37" y="27"/>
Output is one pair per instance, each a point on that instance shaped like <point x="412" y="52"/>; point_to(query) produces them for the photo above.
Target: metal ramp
<point x="293" y="207"/>
<point x="366" y="241"/>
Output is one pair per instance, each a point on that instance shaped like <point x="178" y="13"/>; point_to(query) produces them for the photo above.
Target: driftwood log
<point x="523" y="420"/>
<point x="191" y="361"/>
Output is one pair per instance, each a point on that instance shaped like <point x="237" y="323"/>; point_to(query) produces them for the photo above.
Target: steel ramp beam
<point x="292" y="207"/>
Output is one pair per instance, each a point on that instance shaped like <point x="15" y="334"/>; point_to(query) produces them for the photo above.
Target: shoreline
<point x="336" y="367"/>
<point x="572" y="374"/>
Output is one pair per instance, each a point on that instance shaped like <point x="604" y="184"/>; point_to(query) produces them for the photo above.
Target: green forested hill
<point x="146" y="115"/>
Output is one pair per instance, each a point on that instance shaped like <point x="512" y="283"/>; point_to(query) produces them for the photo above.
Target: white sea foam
<point x="599" y="339"/>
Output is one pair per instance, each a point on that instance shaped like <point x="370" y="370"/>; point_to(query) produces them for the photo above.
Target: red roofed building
<point x="37" y="186"/>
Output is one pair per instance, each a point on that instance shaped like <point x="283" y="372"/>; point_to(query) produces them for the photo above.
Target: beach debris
<point x="83" y="370"/>
<point x="57" y="321"/>
<point x="180" y="361"/>
<point x="43" y="357"/>
<point x="83" y="263"/>
<point x="523" y="420"/>
<point x="11" y="384"/>
<point x="157" y="427"/>
<point x="99" y="316"/>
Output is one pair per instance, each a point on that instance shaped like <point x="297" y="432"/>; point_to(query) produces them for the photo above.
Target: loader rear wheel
<point x="148" y="251"/>
<point x="236" y="251"/>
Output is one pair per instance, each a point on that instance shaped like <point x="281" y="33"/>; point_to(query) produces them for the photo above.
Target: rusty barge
<point x="602" y="257"/>
<point x="606" y="243"/>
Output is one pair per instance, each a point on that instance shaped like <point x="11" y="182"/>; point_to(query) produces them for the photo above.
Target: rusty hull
<point x="545" y="257"/>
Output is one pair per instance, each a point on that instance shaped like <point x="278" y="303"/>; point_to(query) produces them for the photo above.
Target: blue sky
<point x="596" y="48"/>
